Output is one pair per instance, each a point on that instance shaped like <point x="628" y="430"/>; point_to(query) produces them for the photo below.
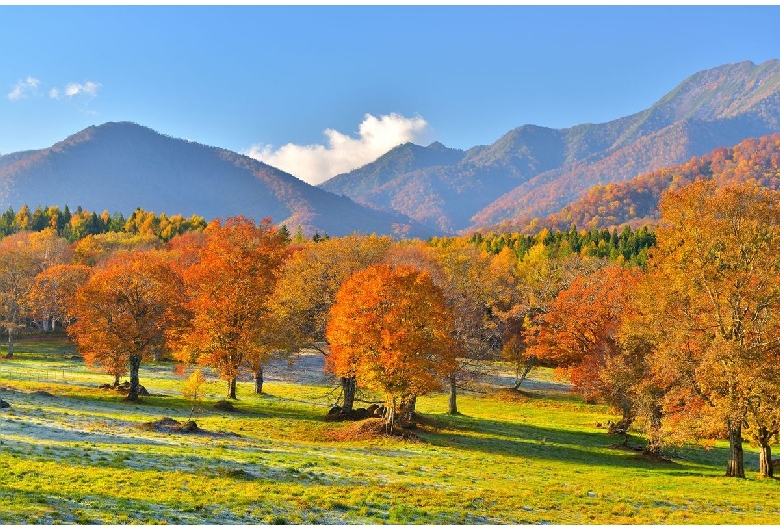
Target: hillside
<point x="534" y="171"/>
<point x="635" y="202"/>
<point x="121" y="166"/>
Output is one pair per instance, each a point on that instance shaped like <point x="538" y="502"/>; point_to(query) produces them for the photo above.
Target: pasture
<point x="71" y="452"/>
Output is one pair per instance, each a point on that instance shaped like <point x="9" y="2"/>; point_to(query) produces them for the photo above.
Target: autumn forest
<point x="675" y="329"/>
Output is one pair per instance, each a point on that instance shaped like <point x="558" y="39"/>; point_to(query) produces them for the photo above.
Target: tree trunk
<point x="765" y="453"/>
<point x="10" y="343"/>
<point x="45" y="325"/>
<point x="765" y="461"/>
<point x="406" y="411"/>
<point x="116" y="380"/>
<point x="259" y="381"/>
<point x="453" y="409"/>
<point x="135" y="364"/>
<point x="523" y="370"/>
<point x="348" y="386"/>
<point x="157" y="355"/>
<point x="654" y="443"/>
<point x="390" y="416"/>
<point x="736" y="467"/>
<point x="231" y="388"/>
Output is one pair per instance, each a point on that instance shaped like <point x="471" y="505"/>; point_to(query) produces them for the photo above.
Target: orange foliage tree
<point x="716" y="310"/>
<point x="580" y="334"/>
<point x="229" y="288"/>
<point x="125" y="312"/>
<point x="53" y="292"/>
<point x="469" y="284"/>
<point x="22" y="257"/>
<point x="391" y="329"/>
<point x="306" y="289"/>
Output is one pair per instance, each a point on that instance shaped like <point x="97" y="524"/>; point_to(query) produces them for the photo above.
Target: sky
<point x="320" y="90"/>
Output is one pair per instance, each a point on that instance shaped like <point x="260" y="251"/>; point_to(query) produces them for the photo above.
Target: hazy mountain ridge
<point x="533" y="171"/>
<point x="120" y="166"/>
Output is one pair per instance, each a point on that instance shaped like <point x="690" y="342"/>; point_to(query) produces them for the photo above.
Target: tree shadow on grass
<point x="544" y="443"/>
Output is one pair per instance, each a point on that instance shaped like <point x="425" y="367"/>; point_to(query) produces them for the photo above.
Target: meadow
<point x="71" y="452"/>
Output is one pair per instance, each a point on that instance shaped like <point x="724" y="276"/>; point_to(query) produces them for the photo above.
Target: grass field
<point x="72" y="453"/>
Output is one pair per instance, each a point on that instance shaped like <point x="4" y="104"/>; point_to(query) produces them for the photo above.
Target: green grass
<point x="79" y="457"/>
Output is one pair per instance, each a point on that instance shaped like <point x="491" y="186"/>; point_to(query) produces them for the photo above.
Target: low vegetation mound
<point x="369" y="429"/>
<point x="224" y="406"/>
<point x="359" y="430"/>
<point x="124" y="388"/>
<point x="169" y="425"/>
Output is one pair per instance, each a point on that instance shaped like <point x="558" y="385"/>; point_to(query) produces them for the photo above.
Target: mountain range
<point x="121" y="166"/>
<point x="532" y="172"/>
<point x="531" y="176"/>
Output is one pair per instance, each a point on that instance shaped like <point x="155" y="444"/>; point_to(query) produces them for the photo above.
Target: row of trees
<point x="685" y="348"/>
<point x="81" y="223"/>
<point x="691" y="347"/>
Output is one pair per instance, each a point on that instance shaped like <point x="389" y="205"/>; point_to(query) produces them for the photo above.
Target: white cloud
<point x="54" y="93"/>
<point x="317" y="163"/>
<point x="23" y="88"/>
<point x="89" y="88"/>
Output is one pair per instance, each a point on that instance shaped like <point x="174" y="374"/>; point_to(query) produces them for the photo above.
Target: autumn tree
<point x="580" y="334"/>
<point x="125" y="312"/>
<point x="525" y="294"/>
<point x="307" y="287"/>
<point x="229" y="288"/>
<point x="52" y="295"/>
<point x="717" y="312"/>
<point x="461" y="271"/>
<point x="391" y="329"/>
<point x="22" y="256"/>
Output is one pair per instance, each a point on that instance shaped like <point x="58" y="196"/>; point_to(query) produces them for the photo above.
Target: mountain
<point x="534" y="171"/>
<point x="121" y="166"/>
<point x="635" y="202"/>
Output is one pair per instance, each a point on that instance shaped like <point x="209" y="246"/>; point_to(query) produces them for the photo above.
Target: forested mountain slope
<point x="635" y="202"/>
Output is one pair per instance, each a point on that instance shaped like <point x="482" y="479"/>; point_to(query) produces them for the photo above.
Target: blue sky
<point x="255" y="78"/>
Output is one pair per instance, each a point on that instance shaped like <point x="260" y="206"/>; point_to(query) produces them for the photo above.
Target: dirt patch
<point x="169" y="425"/>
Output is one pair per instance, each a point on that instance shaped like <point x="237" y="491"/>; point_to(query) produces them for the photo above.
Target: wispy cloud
<point x="89" y="88"/>
<point x="317" y="163"/>
<point x="23" y="88"/>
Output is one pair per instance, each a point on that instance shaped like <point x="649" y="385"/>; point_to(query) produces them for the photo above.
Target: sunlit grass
<point x="78" y="456"/>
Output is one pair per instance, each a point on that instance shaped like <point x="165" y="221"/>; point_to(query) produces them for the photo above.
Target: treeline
<point x="77" y="225"/>
<point x="677" y="330"/>
<point x="629" y="246"/>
